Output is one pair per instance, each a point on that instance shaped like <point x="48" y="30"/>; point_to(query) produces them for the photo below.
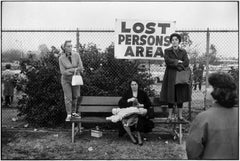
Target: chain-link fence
<point x="214" y="50"/>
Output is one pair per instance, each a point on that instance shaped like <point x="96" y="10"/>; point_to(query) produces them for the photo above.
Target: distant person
<point x="198" y="76"/>
<point x="8" y="78"/>
<point x="69" y="62"/>
<point x="135" y="97"/>
<point x="176" y="59"/>
<point x="214" y="133"/>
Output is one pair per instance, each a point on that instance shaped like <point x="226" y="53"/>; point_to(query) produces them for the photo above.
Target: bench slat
<point x="97" y="108"/>
<point x="108" y="109"/>
<point x="109" y="101"/>
<point x="90" y="120"/>
<point x="103" y="120"/>
<point x="164" y="121"/>
<point x="99" y="100"/>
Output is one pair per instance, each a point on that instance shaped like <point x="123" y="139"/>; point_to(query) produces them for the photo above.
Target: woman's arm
<point x="196" y="139"/>
<point x="65" y="71"/>
<point x="123" y="102"/>
<point x="170" y="62"/>
<point x="185" y="59"/>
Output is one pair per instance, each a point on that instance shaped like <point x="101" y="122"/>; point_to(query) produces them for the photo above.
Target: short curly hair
<point x="224" y="88"/>
<point x="177" y="35"/>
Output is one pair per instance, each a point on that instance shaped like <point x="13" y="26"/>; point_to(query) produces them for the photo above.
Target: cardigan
<point x="67" y="68"/>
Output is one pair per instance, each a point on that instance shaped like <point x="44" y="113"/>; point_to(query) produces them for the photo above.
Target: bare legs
<point x="127" y="128"/>
<point x="170" y="110"/>
<point x="139" y="137"/>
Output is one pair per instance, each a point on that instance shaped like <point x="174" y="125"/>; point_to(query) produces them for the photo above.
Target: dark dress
<point x="170" y="92"/>
<point x="144" y="124"/>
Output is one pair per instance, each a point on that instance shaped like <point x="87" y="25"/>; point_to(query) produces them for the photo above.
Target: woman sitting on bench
<point x="139" y="123"/>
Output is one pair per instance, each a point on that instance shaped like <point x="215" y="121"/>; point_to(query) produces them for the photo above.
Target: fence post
<point x="78" y="43"/>
<point x="207" y="67"/>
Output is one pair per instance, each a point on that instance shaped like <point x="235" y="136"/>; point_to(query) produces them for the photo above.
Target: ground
<point x="57" y="145"/>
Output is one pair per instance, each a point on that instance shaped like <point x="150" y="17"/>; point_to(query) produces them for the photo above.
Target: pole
<point x="78" y="43"/>
<point x="207" y="68"/>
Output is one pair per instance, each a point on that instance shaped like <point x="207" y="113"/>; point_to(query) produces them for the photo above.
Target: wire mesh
<point x="223" y="50"/>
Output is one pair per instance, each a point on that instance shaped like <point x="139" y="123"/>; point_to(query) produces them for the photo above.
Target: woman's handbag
<point x="77" y="79"/>
<point x="183" y="77"/>
<point x="150" y="112"/>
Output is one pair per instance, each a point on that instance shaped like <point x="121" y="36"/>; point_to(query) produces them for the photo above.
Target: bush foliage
<point x="104" y="75"/>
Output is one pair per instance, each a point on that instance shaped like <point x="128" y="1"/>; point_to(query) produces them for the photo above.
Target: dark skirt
<point x="143" y="125"/>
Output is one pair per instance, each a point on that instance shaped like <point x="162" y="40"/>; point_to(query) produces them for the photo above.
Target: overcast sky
<point x="101" y="15"/>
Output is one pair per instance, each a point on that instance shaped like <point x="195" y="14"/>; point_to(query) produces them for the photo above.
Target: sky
<point x="102" y="15"/>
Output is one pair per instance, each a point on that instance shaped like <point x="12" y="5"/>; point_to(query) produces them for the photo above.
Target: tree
<point x="105" y="75"/>
<point x="44" y="104"/>
<point x="11" y="55"/>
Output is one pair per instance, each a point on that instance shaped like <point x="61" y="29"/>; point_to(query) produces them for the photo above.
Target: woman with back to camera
<point x="214" y="133"/>
<point x="176" y="59"/>
<point x="134" y="122"/>
<point x="70" y="62"/>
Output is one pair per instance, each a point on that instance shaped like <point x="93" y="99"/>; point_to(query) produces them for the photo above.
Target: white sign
<point x="139" y="39"/>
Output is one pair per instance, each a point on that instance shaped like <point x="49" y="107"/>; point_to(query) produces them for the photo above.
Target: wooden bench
<point x="98" y="105"/>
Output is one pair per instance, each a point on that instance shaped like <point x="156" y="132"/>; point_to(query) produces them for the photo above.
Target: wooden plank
<point x="99" y="100"/>
<point x="97" y="108"/>
<point x="110" y="100"/>
<point x="164" y="121"/>
<point x="103" y="120"/>
<point x="90" y="120"/>
<point x="108" y="108"/>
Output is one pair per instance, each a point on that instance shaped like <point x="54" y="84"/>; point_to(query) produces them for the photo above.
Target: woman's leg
<point x="75" y="97"/>
<point x="140" y="142"/>
<point x="128" y="130"/>
<point x="180" y="105"/>
<point x="170" y="110"/>
<point x="67" y="89"/>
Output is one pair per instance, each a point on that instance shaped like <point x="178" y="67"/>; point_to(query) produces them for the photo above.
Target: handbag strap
<point x="75" y="71"/>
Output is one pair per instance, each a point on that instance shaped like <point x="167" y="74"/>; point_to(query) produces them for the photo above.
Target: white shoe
<point x="68" y="118"/>
<point x="76" y="115"/>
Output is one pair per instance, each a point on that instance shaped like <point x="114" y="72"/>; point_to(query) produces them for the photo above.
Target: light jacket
<point x="67" y="68"/>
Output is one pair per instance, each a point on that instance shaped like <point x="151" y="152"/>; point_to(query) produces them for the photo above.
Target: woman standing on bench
<point x="176" y="59"/>
<point x="135" y="122"/>
<point x="70" y="62"/>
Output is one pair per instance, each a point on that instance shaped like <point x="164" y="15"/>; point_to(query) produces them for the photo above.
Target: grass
<point x="57" y="145"/>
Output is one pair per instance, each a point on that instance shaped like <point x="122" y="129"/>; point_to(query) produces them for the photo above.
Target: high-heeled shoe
<point x="134" y="142"/>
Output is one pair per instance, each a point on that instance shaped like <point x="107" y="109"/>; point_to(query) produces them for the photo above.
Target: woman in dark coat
<point x="214" y="133"/>
<point x="176" y="59"/>
<point x="138" y="123"/>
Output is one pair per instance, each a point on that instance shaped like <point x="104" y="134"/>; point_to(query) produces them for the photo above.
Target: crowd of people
<point x="213" y="133"/>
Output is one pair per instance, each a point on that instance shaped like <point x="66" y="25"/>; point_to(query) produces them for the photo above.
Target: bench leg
<point x="180" y="133"/>
<point x="80" y="127"/>
<point x="73" y="125"/>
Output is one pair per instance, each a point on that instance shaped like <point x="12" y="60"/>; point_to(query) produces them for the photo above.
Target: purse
<point x="77" y="79"/>
<point x="150" y="113"/>
<point x="183" y="77"/>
